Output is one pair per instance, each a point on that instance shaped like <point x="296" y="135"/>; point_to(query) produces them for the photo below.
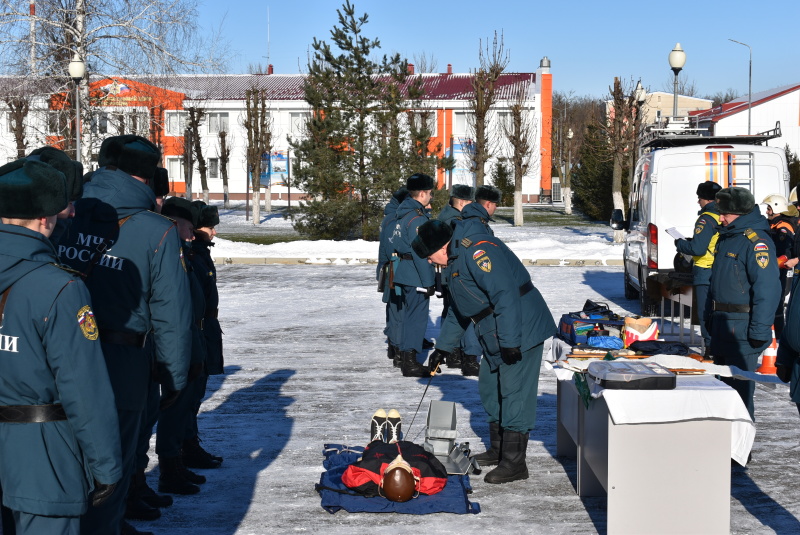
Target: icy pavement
<point x="306" y="364"/>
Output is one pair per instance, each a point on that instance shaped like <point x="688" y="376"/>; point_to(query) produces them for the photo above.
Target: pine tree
<point x="354" y="153"/>
<point x="504" y="181"/>
<point x="592" y="178"/>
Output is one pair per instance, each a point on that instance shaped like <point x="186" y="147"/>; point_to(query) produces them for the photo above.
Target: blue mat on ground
<point x="336" y="496"/>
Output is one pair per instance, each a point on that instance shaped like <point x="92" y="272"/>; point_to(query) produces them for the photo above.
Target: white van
<point x="663" y="195"/>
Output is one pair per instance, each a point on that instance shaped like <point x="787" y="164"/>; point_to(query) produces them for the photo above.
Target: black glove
<point x="784" y="373"/>
<point x="756" y="343"/>
<point x="195" y="370"/>
<point x="436" y="358"/>
<point x="168" y="398"/>
<point x="102" y="493"/>
<point x="510" y="355"/>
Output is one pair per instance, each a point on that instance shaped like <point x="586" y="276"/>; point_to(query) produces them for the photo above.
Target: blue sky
<point x="588" y="43"/>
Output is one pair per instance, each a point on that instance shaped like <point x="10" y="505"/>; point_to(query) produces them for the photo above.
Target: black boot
<point x="453" y="360"/>
<point x="390" y="351"/>
<point x="194" y="456"/>
<point x="470" y="366"/>
<point x="427" y="344"/>
<point x="127" y="529"/>
<point x="147" y="494"/>
<point x="491" y="456"/>
<point x="512" y="465"/>
<point x="172" y="478"/>
<point x="410" y="366"/>
<point x="136" y="508"/>
<point x="377" y="426"/>
<point x="397" y="359"/>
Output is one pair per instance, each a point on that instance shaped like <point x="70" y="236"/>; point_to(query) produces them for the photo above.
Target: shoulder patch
<point x="761" y="246"/>
<point x="477" y="254"/>
<point x="484" y="263"/>
<point x="87" y="323"/>
<point x="466" y="242"/>
<point x="762" y="259"/>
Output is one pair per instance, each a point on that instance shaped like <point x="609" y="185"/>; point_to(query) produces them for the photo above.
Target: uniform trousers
<point x="28" y="524"/>
<point x="414" y="313"/>
<point x="509" y="393"/>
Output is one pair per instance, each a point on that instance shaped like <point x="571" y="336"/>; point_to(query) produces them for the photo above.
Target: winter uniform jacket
<point x="782" y="233"/>
<point x="49" y="354"/>
<point x="745" y="273"/>
<point x="206" y="273"/>
<point x="138" y="286"/>
<point x="477" y="218"/>
<point x="704" y="241"/>
<point x="481" y="273"/>
<point x="448" y="214"/>
<point x="789" y="346"/>
<point x="385" y="246"/>
<point x="412" y="270"/>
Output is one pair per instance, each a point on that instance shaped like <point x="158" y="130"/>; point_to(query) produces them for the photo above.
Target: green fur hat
<point x="419" y="182"/>
<point x="73" y="171"/>
<point x="462" y="191"/>
<point x="178" y="207"/>
<point x="135" y="155"/>
<point x="431" y="236"/>
<point x="488" y="193"/>
<point x="31" y="189"/>
<point x="735" y="201"/>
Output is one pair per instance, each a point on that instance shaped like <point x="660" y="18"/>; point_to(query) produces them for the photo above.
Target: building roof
<point x="740" y="104"/>
<point x="290" y="86"/>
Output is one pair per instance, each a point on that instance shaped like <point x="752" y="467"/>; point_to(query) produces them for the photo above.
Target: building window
<point x="137" y="123"/>
<point x="461" y="121"/>
<point x="175" y="169"/>
<point x="100" y="123"/>
<point x="425" y="120"/>
<point x="217" y="122"/>
<point x="57" y="123"/>
<point x="213" y="168"/>
<point x="504" y="121"/>
<point x="297" y="123"/>
<point x="176" y="122"/>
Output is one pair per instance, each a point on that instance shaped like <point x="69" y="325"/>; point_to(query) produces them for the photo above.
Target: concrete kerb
<point x="316" y="261"/>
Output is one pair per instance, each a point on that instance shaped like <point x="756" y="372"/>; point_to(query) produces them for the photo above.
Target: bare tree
<point x="425" y="63"/>
<point x="722" y="97"/>
<point x="195" y="116"/>
<point x="686" y="87"/>
<point x="224" y="158"/>
<point x="520" y="132"/>
<point x="620" y="131"/>
<point x="491" y="66"/>
<point x="258" y="126"/>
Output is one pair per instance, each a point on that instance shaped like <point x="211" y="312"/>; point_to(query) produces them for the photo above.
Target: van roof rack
<point x="656" y="137"/>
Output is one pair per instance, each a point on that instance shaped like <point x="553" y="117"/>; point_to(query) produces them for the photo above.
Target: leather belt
<point x="123" y="338"/>
<point x="525" y="288"/>
<point x="32" y="414"/>
<point x="726" y="307"/>
<point x="200" y="323"/>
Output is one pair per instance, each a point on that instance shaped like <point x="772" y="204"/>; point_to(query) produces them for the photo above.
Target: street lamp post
<point x="749" y="83"/>
<point x="77" y="70"/>
<point x="677" y="59"/>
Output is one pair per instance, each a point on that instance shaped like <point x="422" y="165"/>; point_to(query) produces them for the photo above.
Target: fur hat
<point x="31" y="189"/>
<point x="431" y="236"/>
<point x="207" y="216"/>
<point x="707" y="190"/>
<point x="73" y="171"/>
<point x="135" y="155"/>
<point x="462" y="191"/>
<point x="419" y="182"/>
<point x="178" y="207"/>
<point x="735" y="201"/>
<point x="488" y="193"/>
<point x="401" y="194"/>
<point x="161" y="184"/>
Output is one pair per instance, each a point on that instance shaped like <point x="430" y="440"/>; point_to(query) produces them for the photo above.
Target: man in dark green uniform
<point x="387" y="264"/>
<point x="59" y="436"/>
<point x="490" y="288"/>
<point x="460" y="196"/>
<point x="414" y="274"/>
<point x="206" y="220"/>
<point x="745" y="288"/>
<point x="701" y="246"/>
<point x="481" y="211"/>
<point x="132" y="263"/>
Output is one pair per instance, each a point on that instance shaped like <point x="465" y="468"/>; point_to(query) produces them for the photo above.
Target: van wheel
<point x="649" y="307"/>
<point x="630" y="291"/>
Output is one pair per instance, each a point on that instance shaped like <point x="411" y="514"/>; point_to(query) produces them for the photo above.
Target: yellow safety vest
<point x="707" y="259"/>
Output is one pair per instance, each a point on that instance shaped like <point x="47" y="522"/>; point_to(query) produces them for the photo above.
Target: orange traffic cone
<point x="769" y="356"/>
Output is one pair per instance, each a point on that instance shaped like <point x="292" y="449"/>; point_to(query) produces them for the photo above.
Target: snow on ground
<point x="306" y="364"/>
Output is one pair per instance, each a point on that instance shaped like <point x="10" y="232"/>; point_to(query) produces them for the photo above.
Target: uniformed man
<point x="132" y="264"/>
<point x="206" y="220"/>
<point x="490" y="288"/>
<point x="782" y="218"/>
<point x="175" y="420"/>
<point x="460" y="196"/>
<point x="414" y="274"/>
<point x="701" y="246"/>
<point x="481" y="211"/>
<point x="788" y="360"/>
<point x="60" y="435"/>
<point x="745" y="288"/>
<point x="387" y="265"/>
<point x="73" y="171"/>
